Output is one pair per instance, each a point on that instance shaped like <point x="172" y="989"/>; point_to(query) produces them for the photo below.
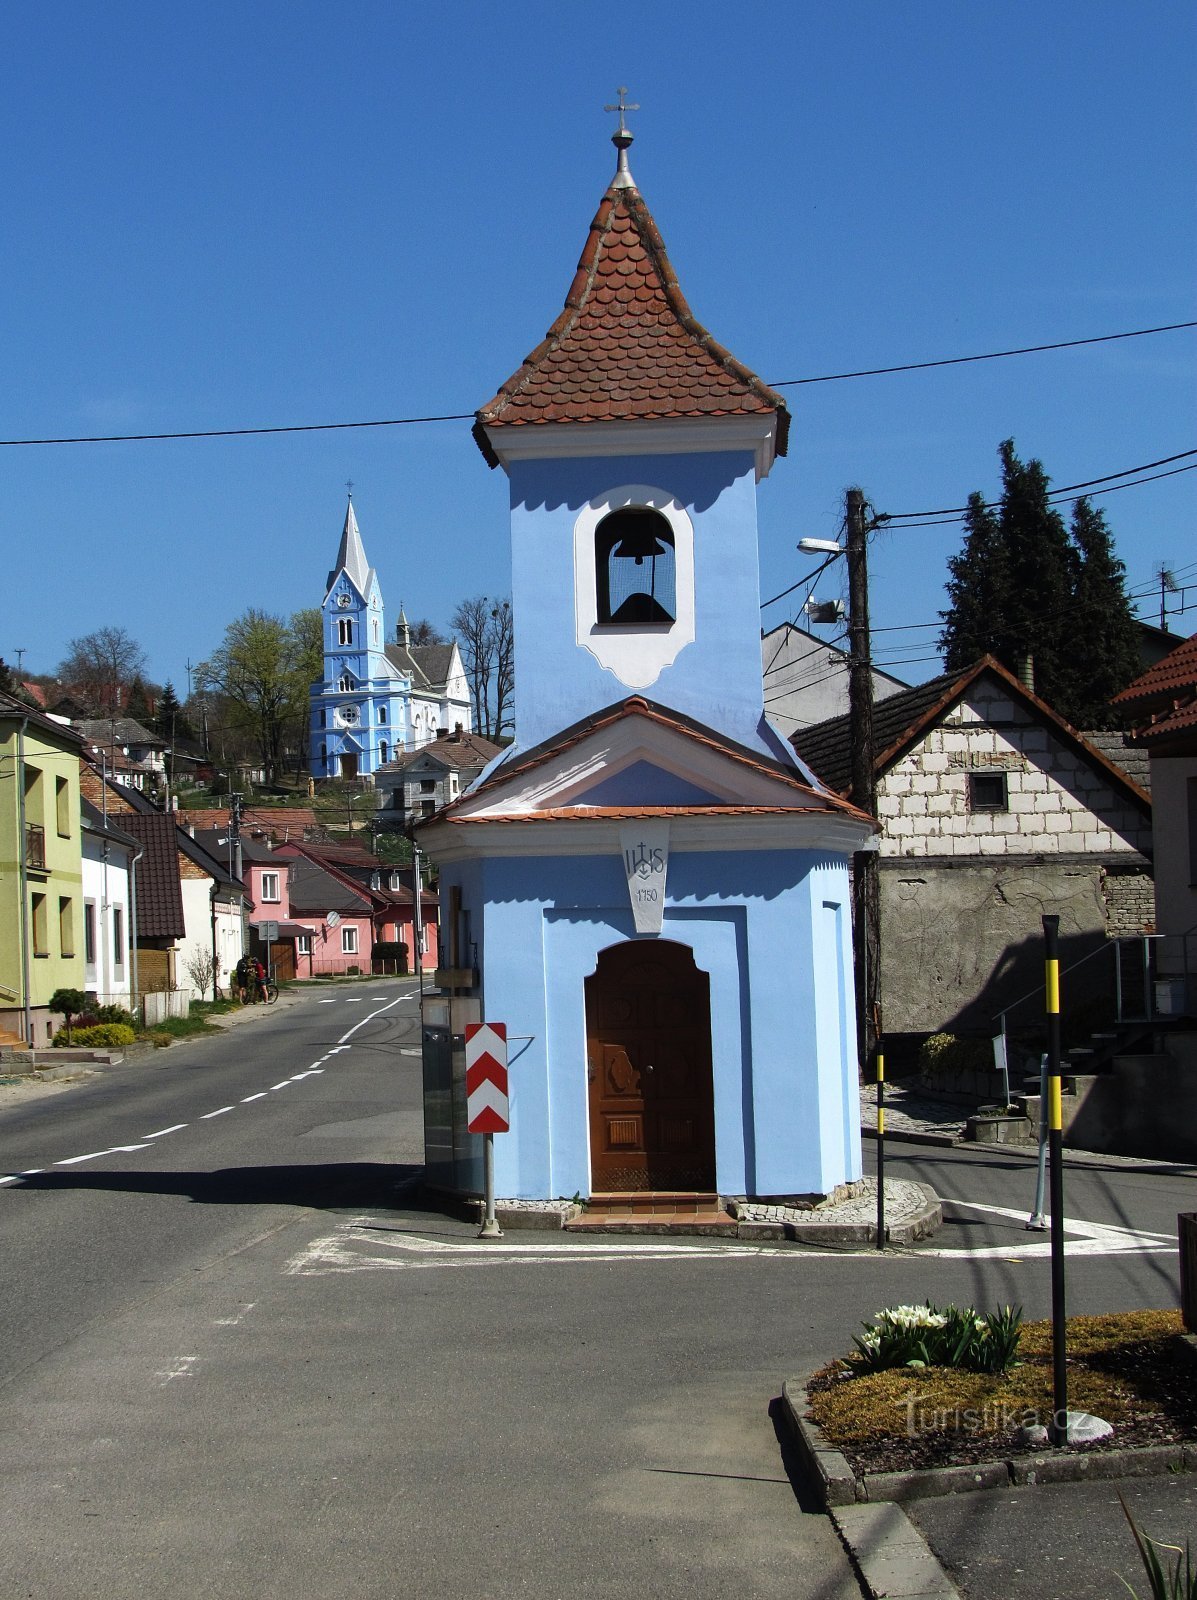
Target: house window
<point x="66" y="925"/>
<point x="382" y="714"/>
<point x="427" y="785"/>
<point x="427" y="807"/>
<point x="324" y="719"/>
<point x="323" y="750"/>
<point x="376" y="881"/>
<point x="383" y="752"/>
<point x="62" y="799"/>
<point x="41" y="930"/>
<point x="345" y="683"/>
<point x="118" y="936"/>
<point x="303" y="944"/>
<point x="344" y="630"/>
<point x="635" y="568"/>
<point x="349" y="941"/>
<point x="987" y="791"/>
<point x="89" y="932"/>
<point x="270" y="887"/>
<point x="396" y="882"/>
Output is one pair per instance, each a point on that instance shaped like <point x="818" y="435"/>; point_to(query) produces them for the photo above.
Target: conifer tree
<point x="171" y="722"/>
<point x="1101" y="624"/>
<point x="1023" y="587"/>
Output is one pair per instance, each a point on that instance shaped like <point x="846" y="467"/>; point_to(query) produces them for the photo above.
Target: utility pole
<point x="866" y="875"/>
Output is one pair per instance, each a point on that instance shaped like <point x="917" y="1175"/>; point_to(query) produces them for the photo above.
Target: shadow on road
<point x="339" y="1186"/>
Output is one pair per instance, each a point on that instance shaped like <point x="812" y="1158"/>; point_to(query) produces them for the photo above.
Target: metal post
<point x="866" y="867"/>
<point x="1051" y="954"/>
<point x="880" y="1150"/>
<point x="1001" y="1050"/>
<point x="1036" y="1220"/>
<point x="490" y="1229"/>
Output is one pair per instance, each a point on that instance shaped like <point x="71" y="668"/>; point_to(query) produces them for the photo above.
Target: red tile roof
<point x="627" y="346"/>
<point x="1173" y="675"/>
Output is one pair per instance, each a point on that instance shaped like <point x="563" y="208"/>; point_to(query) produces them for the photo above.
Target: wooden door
<point x="648" y="1048"/>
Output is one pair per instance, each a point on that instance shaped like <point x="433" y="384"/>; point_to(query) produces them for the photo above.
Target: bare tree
<point x="100" y="667"/>
<point x="425" y="632"/>
<point x="484" y="631"/>
<point x="201" y="969"/>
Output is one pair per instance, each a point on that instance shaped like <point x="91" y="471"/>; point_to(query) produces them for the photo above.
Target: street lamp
<point x="820" y="547"/>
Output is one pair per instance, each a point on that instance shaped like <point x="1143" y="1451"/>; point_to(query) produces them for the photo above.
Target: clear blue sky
<point x="235" y="215"/>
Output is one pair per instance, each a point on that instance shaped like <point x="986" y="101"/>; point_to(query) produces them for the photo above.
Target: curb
<point x="945" y="1141"/>
<point x="838" y="1485"/>
<point x="890" y="1554"/>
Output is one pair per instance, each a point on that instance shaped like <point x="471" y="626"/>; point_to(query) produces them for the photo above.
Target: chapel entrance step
<point x="655" y="1211"/>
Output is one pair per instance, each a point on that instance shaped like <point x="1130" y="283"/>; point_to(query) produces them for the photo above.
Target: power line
<point x="992" y="355"/>
<point x="469" y="416"/>
<point x="953" y="512"/>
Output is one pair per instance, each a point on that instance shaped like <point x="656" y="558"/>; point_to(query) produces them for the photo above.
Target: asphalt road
<point x="234" y="1354"/>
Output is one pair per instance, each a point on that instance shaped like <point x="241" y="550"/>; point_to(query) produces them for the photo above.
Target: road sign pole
<point x="490" y="1229"/>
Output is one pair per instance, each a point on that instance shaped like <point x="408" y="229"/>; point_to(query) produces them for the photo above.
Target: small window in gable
<point x="346" y="683"/>
<point x="635" y="569"/>
<point x="987" y="791"/>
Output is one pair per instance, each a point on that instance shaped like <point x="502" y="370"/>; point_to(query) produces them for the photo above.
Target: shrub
<point x="103" y="1036"/>
<point x="944" y="1052"/>
<point x="116" y="1014"/>
<point x="922" y="1336"/>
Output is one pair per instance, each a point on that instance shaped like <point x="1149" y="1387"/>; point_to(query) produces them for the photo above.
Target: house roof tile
<point x="159" y="894"/>
<point x="626" y="347"/>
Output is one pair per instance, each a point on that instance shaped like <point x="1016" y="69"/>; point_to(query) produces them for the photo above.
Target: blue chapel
<point x="378" y="697"/>
<point x="647" y="887"/>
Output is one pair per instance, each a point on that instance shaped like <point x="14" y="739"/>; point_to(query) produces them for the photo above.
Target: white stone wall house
<point x="994" y="812"/>
<point x="107" y="920"/>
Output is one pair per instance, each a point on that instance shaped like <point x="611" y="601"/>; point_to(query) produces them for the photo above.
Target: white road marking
<point x="232" y="1322"/>
<point x="1090" y="1239"/>
<point x="73" y="1161"/>
<point x="162" y="1132"/>
<point x="326" y="1002"/>
<point x="208" y="1115"/>
<point x="261" y="1095"/>
<point x="353" y="999"/>
<point x="370" y="1018"/>
<point x="182" y="1368"/>
<point x="281" y="1085"/>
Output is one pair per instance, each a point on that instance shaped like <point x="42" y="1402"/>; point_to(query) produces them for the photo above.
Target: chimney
<point x="456" y="735"/>
<point x="1026" y="671"/>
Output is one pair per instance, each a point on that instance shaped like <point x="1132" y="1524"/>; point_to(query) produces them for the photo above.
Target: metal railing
<point x="35" y="846"/>
<point x="1134" y="984"/>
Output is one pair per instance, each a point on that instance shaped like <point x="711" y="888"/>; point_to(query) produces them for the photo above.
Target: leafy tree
<point x="484" y="629"/>
<point x="258" y="669"/>
<point x="67" y="1003"/>
<point x="100" y="665"/>
<point x="1025" y="585"/>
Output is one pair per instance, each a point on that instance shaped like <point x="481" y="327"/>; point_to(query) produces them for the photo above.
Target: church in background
<point x="379" y="696"/>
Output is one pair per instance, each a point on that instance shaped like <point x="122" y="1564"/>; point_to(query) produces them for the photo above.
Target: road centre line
<point x="73" y="1161"/>
<point x="162" y="1132"/>
<point x="261" y="1095"/>
<point x="396" y="1001"/>
<point x="208" y="1115"/>
<point x="281" y="1085"/>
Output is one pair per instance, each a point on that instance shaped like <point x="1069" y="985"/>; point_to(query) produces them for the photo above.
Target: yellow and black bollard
<point x="1055" y="1150"/>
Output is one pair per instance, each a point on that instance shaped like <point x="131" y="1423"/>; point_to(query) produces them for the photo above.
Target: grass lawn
<point x="1127" y="1367"/>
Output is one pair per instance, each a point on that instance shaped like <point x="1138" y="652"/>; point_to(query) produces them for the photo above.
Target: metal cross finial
<point x="349" y="486"/>
<point x="622" y="107"/>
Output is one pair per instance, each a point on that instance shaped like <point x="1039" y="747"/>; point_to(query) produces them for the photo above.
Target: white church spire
<point x="351" y="558"/>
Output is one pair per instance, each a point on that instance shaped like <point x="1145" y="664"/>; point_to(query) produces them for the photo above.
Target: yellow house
<point x="41" y="870"/>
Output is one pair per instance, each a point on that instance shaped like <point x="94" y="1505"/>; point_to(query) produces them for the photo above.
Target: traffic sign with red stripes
<point x="487" y="1109"/>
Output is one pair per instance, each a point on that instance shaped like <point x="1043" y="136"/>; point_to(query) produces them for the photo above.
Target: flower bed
<point x="1126" y="1367"/>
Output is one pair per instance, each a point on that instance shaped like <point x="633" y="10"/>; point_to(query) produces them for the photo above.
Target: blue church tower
<point x="379" y="697"/>
<point x="647" y="887"/>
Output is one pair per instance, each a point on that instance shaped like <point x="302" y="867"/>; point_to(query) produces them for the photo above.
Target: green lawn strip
<point x="1124" y="1367"/>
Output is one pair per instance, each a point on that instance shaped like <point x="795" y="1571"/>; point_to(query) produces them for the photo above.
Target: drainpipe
<point x="22" y="857"/>
<point x="135" y="993"/>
